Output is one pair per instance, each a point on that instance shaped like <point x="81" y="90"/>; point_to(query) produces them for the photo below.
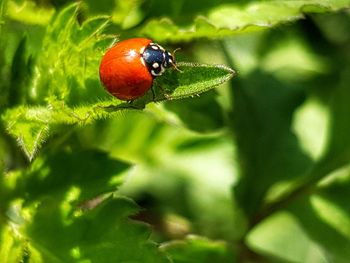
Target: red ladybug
<point x="128" y="68"/>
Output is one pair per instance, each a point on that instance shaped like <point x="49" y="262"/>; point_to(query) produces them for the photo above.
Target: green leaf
<point x="198" y="249"/>
<point x="337" y="151"/>
<point x="104" y="234"/>
<point x="56" y="174"/>
<point x="31" y="126"/>
<point x="127" y="14"/>
<point x="268" y="150"/>
<point x="334" y="157"/>
<point x="67" y="67"/>
<point x="10" y="249"/>
<point x="327" y="209"/>
<point x="29" y="12"/>
<point x="2" y="11"/>
<point x="282" y="238"/>
<point x="52" y="191"/>
<point x="192" y="80"/>
<point x="21" y="70"/>
<point x="202" y="114"/>
<point x="30" y="136"/>
<point x="230" y="19"/>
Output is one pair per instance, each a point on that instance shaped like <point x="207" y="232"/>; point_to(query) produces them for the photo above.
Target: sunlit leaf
<point x="104" y="234"/>
<point x="197" y="249"/>
<point x="57" y="174"/>
<point x="30" y="13"/>
<point x="67" y="67"/>
<point x="230" y="19"/>
<point x="326" y="209"/>
<point x="191" y="80"/>
<point x="269" y="151"/>
<point x="282" y="237"/>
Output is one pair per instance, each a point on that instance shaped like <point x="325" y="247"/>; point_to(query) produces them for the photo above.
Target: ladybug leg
<point x="162" y="90"/>
<point x="165" y="93"/>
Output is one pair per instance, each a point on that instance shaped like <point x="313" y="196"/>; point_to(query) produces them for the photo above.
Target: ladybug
<point x="128" y="69"/>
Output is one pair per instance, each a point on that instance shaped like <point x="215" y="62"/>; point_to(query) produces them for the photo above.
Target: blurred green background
<point x="255" y="170"/>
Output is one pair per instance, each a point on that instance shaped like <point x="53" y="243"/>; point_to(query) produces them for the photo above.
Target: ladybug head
<point x="157" y="59"/>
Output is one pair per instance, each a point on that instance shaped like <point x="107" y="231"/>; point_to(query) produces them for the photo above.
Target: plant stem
<point x="317" y="173"/>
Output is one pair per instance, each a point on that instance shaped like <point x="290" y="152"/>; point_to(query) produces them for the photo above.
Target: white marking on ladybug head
<point x="143" y="61"/>
<point x="142" y="50"/>
<point x="155" y="65"/>
<point x="159" y="73"/>
<point x="155" y="47"/>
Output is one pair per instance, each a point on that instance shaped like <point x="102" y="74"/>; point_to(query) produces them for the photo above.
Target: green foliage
<point x="64" y="190"/>
<point x="197" y="249"/>
<point x="32" y="125"/>
<point x="65" y="68"/>
<point x="100" y="235"/>
<point x="244" y="165"/>
<point x="270" y="105"/>
<point x="230" y="19"/>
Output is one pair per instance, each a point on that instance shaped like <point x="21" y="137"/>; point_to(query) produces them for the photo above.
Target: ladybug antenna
<point x="114" y="41"/>
<point x="173" y="63"/>
<point x="177" y="49"/>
